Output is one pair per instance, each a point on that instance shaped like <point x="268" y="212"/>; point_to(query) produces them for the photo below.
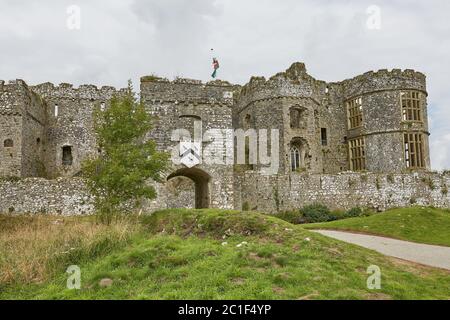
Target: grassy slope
<point x="178" y="254"/>
<point x="425" y="225"/>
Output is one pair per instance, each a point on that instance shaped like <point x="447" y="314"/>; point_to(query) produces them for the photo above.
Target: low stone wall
<point x="343" y="191"/>
<point x="264" y="193"/>
<point x="36" y="195"/>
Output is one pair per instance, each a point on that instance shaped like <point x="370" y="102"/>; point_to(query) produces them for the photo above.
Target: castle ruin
<point x="359" y="142"/>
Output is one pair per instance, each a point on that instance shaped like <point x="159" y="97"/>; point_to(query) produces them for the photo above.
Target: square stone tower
<point x="22" y="131"/>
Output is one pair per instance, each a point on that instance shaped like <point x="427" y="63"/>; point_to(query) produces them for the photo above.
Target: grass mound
<point x="211" y="254"/>
<point x="213" y="223"/>
<point x="418" y="224"/>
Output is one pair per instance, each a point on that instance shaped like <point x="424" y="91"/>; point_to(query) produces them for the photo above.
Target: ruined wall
<point x="343" y="190"/>
<point x="34" y="142"/>
<point x="22" y="120"/>
<point x="11" y="105"/>
<point x="333" y="117"/>
<point x="38" y="195"/>
<point x="72" y="125"/>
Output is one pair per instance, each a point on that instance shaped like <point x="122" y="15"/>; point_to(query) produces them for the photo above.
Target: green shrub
<point x="339" y="214"/>
<point x="317" y="213"/>
<point x="294" y="217"/>
<point x="354" y="212"/>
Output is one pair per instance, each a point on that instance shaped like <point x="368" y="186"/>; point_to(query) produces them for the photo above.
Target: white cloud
<point x="122" y="39"/>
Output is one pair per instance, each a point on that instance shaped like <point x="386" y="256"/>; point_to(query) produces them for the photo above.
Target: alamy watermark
<point x="73" y="21"/>
<point x="217" y="146"/>
<point x="74" y="279"/>
<point x="374" y="280"/>
<point x="374" y="17"/>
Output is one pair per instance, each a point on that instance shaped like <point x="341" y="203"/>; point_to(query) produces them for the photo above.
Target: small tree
<point x="126" y="159"/>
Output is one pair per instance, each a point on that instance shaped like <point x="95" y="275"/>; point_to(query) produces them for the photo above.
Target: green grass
<point x="417" y="224"/>
<point x="180" y="254"/>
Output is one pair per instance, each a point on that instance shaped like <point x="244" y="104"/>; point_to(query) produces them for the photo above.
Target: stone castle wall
<point x="178" y="105"/>
<point x="11" y="128"/>
<point x="46" y="120"/>
<point x="22" y="120"/>
<point x="72" y="124"/>
<point x="263" y="193"/>
<point x="342" y="191"/>
<point x="37" y="195"/>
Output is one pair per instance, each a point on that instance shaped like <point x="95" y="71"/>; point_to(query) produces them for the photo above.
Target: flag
<point x="215" y="66"/>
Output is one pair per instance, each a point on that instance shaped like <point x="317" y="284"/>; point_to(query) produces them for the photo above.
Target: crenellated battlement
<point x="13" y="85"/>
<point x="383" y="79"/>
<point x="188" y="81"/>
<point x="385" y="73"/>
<point x="183" y="90"/>
<point x="16" y="97"/>
<point x="295" y="82"/>
<point x="68" y="91"/>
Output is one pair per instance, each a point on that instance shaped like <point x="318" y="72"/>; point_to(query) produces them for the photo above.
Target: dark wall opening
<point x="8" y="143"/>
<point x="201" y="180"/>
<point x="67" y="157"/>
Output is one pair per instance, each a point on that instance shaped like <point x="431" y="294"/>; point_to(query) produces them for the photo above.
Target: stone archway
<point x="201" y="180"/>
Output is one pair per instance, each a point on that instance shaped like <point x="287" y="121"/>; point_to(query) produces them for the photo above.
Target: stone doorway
<point x="201" y="181"/>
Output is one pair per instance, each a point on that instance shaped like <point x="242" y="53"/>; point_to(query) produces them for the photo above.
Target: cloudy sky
<point x="124" y="39"/>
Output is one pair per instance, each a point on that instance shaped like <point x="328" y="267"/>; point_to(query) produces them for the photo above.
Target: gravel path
<point x="435" y="256"/>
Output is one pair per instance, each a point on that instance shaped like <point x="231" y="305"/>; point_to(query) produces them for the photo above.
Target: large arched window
<point x="295" y="159"/>
<point x="8" y="143"/>
<point x="299" y="154"/>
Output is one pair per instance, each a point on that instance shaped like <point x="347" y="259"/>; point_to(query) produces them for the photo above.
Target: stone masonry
<point x="358" y="142"/>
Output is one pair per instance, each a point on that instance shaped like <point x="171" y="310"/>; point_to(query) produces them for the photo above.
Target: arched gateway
<point x="201" y="181"/>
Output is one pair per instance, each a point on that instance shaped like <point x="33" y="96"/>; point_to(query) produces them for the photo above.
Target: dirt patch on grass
<point x="278" y="290"/>
<point x="255" y="256"/>
<point x="309" y="296"/>
<point x="238" y="281"/>
<point x="378" y="296"/>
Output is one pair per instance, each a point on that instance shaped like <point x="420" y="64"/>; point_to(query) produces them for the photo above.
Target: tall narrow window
<point x="295" y="159"/>
<point x="294" y="115"/>
<point x="411" y="106"/>
<point x="357" y="154"/>
<point x="56" y="110"/>
<point x="247" y="121"/>
<point x="67" y="158"/>
<point x="414" y="150"/>
<point x="354" y="110"/>
<point x="298" y="117"/>
<point x="323" y="136"/>
<point x="102" y="106"/>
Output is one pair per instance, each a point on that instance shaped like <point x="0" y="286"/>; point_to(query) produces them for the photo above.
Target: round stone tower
<point x="387" y="121"/>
